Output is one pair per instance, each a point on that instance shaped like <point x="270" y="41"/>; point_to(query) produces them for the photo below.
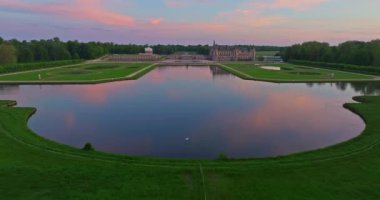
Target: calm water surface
<point x="194" y="112"/>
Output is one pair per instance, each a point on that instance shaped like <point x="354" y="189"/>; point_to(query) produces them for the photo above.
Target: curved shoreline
<point x="35" y="167"/>
<point x="293" y="158"/>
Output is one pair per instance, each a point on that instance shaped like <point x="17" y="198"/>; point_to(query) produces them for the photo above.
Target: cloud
<point x="247" y="18"/>
<point x="156" y="21"/>
<point x="273" y="22"/>
<point x="184" y="3"/>
<point x="298" y="5"/>
<point x="91" y="10"/>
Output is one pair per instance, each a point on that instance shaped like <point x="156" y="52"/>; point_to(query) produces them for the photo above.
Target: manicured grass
<point x="18" y="67"/>
<point x="371" y="70"/>
<point x="5" y="103"/>
<point x="81" y="73"/>
<point x="34" y="168"/>
<point x="291" y="73"/>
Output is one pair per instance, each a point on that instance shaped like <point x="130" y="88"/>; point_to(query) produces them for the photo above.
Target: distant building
<point x="272" y="59"/>
<point x="147" y="56"/>
<point x="132" y="57"/>
<point x="148" y="51"/>
<point x="232" y="53"/>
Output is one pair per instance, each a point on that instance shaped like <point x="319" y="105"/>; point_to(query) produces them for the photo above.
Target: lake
<point x="194" y="112"/>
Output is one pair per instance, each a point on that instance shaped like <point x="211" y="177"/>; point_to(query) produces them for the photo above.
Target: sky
<point x="259" y="22"/>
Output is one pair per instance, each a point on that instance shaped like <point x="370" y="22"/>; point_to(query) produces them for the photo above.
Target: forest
<point x="15" y="51"/>
<point x="350" y="52"/>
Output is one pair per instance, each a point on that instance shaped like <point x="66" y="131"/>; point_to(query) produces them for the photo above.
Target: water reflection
<point x="9" y="89"/>
<point x="215" y="110"/>
<point x="364" y="88"/>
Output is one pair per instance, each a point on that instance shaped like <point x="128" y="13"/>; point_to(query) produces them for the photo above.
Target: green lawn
<point x="291" y="73"/>
<point x="34" y="168"/>
<point x="81" y="73"/>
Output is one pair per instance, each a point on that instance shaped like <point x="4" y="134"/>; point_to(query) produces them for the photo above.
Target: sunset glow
<point x="274" y="22"/>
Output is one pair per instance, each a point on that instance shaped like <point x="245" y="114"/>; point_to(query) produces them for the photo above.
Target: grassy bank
<point x="19" y="67"/>
<point x="291" y="73"/>
<point x="34" y="168"/>
<point x="85" y="73"/>
<point x="7" y="103"/>
<point x="372" y="70"/>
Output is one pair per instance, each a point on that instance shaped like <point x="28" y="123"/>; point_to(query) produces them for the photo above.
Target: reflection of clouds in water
<point x="9" y="89"/>
<point x="70" y="120"/>
<point x="139" y="145"/>
<point x="99" y="93"/>
<point x="191" y="73"/>
<point x="176" y="94"/>
<point x="284" y="122"/>
<point x="154" y="115"/>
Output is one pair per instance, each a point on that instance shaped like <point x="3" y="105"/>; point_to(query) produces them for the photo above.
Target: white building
<point x="148" y="51"/>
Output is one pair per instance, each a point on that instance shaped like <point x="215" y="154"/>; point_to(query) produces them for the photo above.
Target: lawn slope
<point x="291" y="73"/>
<point x="85" y="73"/>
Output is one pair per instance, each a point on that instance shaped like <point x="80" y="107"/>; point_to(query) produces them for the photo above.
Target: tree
<point x="88" y="147"/>
<point x="375" y="52"/>
<point x="350" y="52"/>
<point x="25" y="54"/>
<point x="8" y="54"/>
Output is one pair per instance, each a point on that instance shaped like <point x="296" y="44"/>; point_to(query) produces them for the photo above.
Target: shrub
<point x="88" y="147"/>
<point x="222" y="156"/>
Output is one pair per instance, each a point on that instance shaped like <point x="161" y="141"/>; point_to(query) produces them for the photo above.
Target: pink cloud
<point x="91" y="10"/>
<point x="156" y="21"/>
<point x="244" y="18"/>
<point x="298" y="5"/>
<point x="183" y="3"/>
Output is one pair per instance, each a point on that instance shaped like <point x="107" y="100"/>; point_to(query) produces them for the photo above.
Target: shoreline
<point x="284" y="159"/>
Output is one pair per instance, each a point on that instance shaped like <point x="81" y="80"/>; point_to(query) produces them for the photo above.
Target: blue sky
<point x="270" y="22"/>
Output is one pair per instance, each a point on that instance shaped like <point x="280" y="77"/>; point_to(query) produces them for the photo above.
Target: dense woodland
<point x="351" y="52"/>
<point x="15" y="51"/>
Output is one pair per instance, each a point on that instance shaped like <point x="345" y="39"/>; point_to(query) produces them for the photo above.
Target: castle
<point x="232" y="53"/>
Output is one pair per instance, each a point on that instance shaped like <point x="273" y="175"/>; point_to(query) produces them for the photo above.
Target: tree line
<point x="351" y="52"/>
<point x="15" y="51"/>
